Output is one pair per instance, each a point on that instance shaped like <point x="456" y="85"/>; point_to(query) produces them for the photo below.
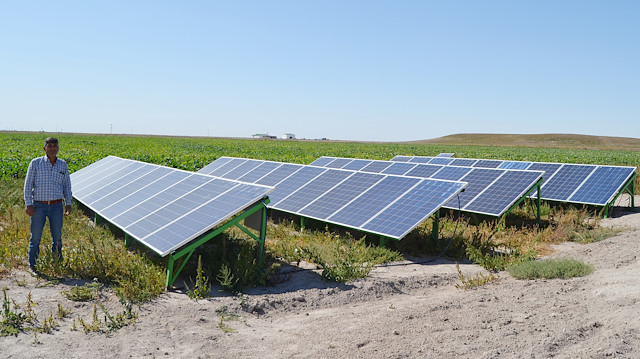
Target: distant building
<point x="288" y="136"/>
<point x="264" y="136"/>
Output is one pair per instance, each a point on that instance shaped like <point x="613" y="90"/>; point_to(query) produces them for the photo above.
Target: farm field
<point x="405" y="309"/>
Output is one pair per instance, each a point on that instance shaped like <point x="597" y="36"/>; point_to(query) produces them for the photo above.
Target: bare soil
<point x="404" y="310"/>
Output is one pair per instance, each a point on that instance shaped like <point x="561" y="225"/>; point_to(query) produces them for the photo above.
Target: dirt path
<point x="402" y="311"/>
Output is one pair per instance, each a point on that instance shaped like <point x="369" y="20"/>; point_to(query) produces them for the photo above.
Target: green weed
<point x="476" y="281"/>
<point x="550" y="269"/>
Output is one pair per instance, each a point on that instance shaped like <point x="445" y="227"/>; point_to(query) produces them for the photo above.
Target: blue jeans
<point x="42" y="212"/>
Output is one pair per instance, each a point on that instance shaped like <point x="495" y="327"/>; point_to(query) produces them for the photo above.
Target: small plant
<point x="225" y="315"/>
<point x="202" y="287"/>
<point x="225" y="277"/>
<point x="95" y="325"/>
<point x="119" y="321"/>
<point x="550" y="269"/>
<point x="62" y="311"/>
<point x="85" y="293"/>
<point x="476" y="281"/>
<point x="12" y="322"/>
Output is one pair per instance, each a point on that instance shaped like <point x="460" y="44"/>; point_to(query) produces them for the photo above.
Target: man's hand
<point x="67" y="210"/>
<point x="30" y="210"/>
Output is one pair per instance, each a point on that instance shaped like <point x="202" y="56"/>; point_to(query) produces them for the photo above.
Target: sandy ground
<point x="406" y="310"/>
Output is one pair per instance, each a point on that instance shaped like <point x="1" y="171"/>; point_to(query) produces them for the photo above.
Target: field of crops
<point x="192" y="153"/>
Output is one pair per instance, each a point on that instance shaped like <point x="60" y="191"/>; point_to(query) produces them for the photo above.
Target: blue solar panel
<point x="376" y="166"/>
<point x="242" y="169"/>
<point x="338" y="163"/>
<point x="322" y="161"/>
<point x="420" y="159"/>
<point x="451" y="173"/>
<point x="602" y="185"/>
<point x="446" y="154"/>
<point x="357" y="165"/>
<point x="293" y="182"/>
<point x="145" y="199"/>
<point x="463" y="162"/>
<point x="478" y="180"/>
<point x="279" y="174"/>
<point x="487" y="163"/>
<point x="226" y="167"/>
<point x="440" y="161"/>
<point x="262" y="170"/>
<point x="399" y="168"/>
<point x="342" y="194"/>
<point x="575" y="183"/>
<point x="424" y="170"/>
<point x="504" y="192"/>
<point x="412" y="208"/>
<point x="215" y="165"/>
<point x="565" y="181"/>
<point x="311" y="190"/>
<point x="401" y="158"/>
<point x="373" y="201"/>
<point x="515" y="165"/>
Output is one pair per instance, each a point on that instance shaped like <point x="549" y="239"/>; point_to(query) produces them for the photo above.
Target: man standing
<point x="46" y="186"/>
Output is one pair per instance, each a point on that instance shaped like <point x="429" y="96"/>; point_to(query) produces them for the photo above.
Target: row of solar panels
<point x="564" y="182"/>
<point x="489" y="191"/>
<point x="385" y="204"/>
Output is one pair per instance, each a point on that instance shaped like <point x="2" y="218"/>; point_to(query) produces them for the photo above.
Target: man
<point x="46" y="186"/>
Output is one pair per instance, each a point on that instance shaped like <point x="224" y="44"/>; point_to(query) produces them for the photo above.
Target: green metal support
<point x="188" y="251"/>
<point x="383" y="241"/>
<point x="436" y="224"/>
<point x="303" y="222"/>
<point x="127" y="240"/>
<point x="628" y="187"/>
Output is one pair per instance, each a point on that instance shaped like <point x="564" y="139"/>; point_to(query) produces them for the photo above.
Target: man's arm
<point x="28" y="189"/>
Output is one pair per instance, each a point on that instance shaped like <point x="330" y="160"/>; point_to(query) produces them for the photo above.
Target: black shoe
<point x="33" y="269"/>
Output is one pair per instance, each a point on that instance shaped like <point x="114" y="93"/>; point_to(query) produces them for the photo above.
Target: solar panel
<point x="445" y="155"/>
<point x="361" y="200"/>
<point x="490" y="191"/>
<point x="574" y="183"/>
<point x="162" y="207"/>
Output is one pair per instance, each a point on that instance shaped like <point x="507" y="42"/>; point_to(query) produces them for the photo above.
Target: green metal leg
<point x="383" y="241"/>
<point x="538" y="203"/>
<point x="436" y="223"/>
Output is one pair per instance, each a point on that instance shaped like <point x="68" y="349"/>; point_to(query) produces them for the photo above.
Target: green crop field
<point x="191" y="153"/>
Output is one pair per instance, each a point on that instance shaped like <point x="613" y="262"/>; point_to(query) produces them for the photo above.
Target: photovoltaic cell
<point x="441" y="161"/>
<point x="399" y="168"/>
<point x="373" y="201"/>
<point x="515" y="165"/>
<point x="425" y="171"/>
<point x="279" y="174"/>
<point x="463" y="162"/>
<point x="312" y="190"/>
<point x="259" y="172"/>
<point x="342" y="194"/>
<point x="487" y="163"/>
<point x="242" y="169"/>
<point x="478" y="180"/>
<point x="565" y="181"/>
<point x="602" y="185"/>
<point x="322" y="161"/>
<point x="405" y="214"/>
<point x="208" y="169"/>
<point x="451" y="173"/>
<point x="504" y="192"/>
<point x="338" y="163"/>
<point x="293" y="182"/>
<point x="376" y="166"/>
<point x="225" y="168"/>
<point x="357" y="165"/>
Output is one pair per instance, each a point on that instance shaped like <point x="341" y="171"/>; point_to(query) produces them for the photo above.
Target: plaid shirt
<point x="45" y="182"/>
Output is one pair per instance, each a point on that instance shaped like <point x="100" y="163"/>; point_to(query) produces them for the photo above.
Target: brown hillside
<point x="550" y="140"/>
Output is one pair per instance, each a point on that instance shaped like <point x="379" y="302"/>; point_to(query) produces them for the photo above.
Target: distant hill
<point x="550" y="140"/>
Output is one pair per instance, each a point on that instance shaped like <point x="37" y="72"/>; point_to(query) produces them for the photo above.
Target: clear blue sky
<point x="342" y="69"/>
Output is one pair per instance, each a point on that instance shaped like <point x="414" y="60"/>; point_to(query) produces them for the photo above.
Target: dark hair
<point x="50" y="140"/>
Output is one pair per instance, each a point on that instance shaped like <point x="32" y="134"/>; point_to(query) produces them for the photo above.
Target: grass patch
<point x="550" y="269"/>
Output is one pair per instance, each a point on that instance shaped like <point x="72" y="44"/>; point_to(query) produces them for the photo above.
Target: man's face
<point x="51" y="149"/>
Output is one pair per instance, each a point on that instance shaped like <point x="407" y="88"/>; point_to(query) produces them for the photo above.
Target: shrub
<point x="550" y="269"/>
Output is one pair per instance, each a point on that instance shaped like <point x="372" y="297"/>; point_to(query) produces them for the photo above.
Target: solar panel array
<point x="490" y="191"/>
<point x="162" y="207"/>
<point x="564" y="182"/>
<point x="384" y="204"/>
